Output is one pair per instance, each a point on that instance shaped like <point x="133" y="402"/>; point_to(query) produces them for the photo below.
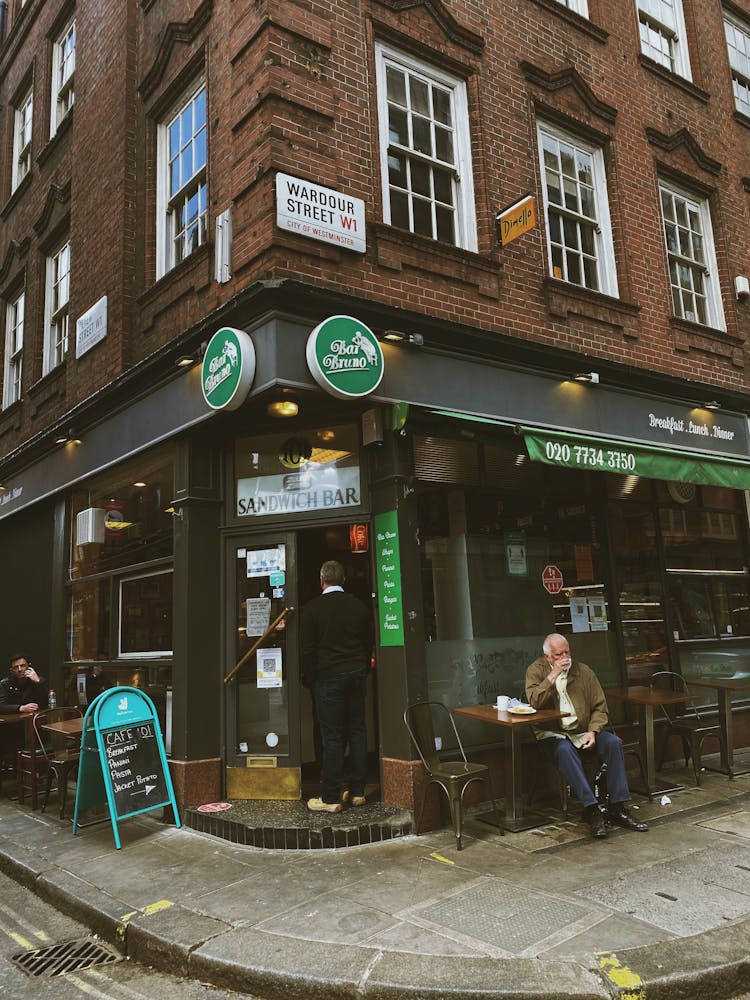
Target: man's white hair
<point x="552" y="635"/>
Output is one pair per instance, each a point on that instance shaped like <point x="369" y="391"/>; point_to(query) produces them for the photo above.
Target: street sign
<point x="123" y="763"/>
<point x="552" y="579"/>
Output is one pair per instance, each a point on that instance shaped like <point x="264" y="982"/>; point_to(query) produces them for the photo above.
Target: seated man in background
<point x="556" y="681"/>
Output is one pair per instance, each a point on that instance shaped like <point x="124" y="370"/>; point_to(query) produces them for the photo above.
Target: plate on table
<point x="522" y="710"/>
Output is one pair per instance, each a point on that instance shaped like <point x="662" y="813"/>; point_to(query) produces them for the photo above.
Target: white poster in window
<point x="263" y="562"/>
<point x="258" y="615"/>
<point x="579" y="614"/>
<point x="269" y="668"/>
<point x="598" y="614"/>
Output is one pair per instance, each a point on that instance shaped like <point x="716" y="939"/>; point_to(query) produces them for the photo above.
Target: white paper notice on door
<point x="263" y="562"/>
<point x="269" y="668"/>
<point x="258" y="615"/>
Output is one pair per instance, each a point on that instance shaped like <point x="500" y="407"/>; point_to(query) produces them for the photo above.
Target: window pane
<point x="397" y="170"/>
<point x="395" y="86"/>
<point x="422" y="136"/>
<point x="399" y="210"/>
<point x="445" y="228"/>
<point x="398" y="129"/>
<point x="420" y="179"/>
<point x="443" y="186"/>
<point x="441" y="106"/>
<point x="420" y="96"/>
<point x="422" y="217"/>
<point x="444" y="145"/>
<point x="146" y="614"/>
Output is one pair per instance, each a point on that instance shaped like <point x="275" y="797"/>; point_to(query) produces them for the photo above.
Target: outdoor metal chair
<point x="453" y="776"/>
<point x="690" y="727"/>
<point x="60" y="753"/>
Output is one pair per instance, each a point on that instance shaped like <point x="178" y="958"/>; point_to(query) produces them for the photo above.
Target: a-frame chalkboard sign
<point x="123" y="762"/>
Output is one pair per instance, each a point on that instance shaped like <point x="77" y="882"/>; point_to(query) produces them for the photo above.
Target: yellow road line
<point x="628" y="984"/>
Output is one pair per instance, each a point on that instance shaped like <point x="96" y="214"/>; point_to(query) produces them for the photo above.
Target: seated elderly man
<point x="557" y="681"/>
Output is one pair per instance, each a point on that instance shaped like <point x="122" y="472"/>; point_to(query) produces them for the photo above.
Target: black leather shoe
<point x="595" y="819"/>
<point x="620" y="815"/>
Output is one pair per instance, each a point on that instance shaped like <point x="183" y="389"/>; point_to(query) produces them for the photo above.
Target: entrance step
<point x="290" y="826"/>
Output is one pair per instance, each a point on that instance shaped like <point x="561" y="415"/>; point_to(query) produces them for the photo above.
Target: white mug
<point x="502" y="702"/>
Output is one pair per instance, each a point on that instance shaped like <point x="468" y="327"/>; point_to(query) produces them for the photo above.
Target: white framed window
<point x="663" y="37"/>
<point x="738" y="46"/>
<point x="691" y="258"/>
<point x="425" y="150"/>
<point x="579" y="233"/>
<point x="182" y="185"/>
<point x="579" y="6"/>
<point x="56" y="300"/>
<point x="63" y="75"/>
<point x="22" y="120"/>
<point x="14" y="321"/>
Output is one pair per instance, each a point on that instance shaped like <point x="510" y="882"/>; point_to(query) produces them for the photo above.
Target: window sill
<point x="396" y="249"/>
<point x="702" y="330"/>
<point x="62" y="129"/>
<point x="674" y="78"/>
<point x="575" y="19"/>
<point x="742" y="119"/>
<point x="16" y="196"/>
<point x="564" y="299"/>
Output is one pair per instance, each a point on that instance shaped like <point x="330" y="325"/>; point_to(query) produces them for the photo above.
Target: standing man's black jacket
<point x="15" y="692"/>
<point x="336" y="636"/>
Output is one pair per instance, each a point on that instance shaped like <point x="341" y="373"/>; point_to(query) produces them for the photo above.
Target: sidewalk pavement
<point x="548" y="913"/>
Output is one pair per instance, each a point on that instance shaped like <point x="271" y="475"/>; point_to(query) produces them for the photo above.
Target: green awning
<point x="579" y="451"/>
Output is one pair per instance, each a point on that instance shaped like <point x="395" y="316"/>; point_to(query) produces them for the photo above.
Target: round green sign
<point x="228" y="369"/>
<point x="344" y="357"/>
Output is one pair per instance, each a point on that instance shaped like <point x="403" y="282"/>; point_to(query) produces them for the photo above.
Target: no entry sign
<point x="552" y="579"/>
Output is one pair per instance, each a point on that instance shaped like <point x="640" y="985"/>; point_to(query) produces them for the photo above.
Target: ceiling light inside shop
<point x="139" y="485"/>
<point x="325" y="455"/>
<point x="327" y="435"/>
<point x="520" y="459"/>
<point x="283" y="408"/>
<point x="629" y="483"/>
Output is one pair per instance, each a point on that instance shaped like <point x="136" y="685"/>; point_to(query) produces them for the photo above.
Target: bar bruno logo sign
<point x="228" y="369"/>
<point x="345" y="357"/>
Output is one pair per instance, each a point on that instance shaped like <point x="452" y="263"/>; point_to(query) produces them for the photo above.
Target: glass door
<point x="263" y="697"/>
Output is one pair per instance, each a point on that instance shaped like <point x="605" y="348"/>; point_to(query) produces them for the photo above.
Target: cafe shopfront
<point x="476" y="506"/>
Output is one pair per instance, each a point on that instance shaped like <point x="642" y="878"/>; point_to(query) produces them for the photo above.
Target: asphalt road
<point x="27" y="923"/>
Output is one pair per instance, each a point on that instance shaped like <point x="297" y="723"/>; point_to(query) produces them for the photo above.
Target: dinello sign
<point x="344" y="357"/>
<point x="228" y="369"/>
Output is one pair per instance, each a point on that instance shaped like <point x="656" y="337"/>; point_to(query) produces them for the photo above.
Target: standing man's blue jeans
<point x="340" y="701"/>
<point x="569" y="764"/>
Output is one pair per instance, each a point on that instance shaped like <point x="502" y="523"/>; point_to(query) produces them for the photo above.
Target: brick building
<point x="545" y="408"/>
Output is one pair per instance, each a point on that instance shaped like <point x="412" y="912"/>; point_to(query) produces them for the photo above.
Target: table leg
<point x="648" y="742"/>
<point x="515" y="819"/>
<point x="726" y="764"/>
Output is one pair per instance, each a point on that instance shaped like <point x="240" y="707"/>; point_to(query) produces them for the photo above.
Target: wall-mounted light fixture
<point x="591" y="377"/>
<point x="742" y="288"/>
<point x="283" y="408"/>
<point x="185" y="361"/>
<point x="712" y="404"/>
<point x="67" y="437"/>
<point x="398" y="337"/>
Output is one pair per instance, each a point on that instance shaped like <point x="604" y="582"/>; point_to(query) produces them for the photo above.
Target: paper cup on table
<point x="502" y="702"/>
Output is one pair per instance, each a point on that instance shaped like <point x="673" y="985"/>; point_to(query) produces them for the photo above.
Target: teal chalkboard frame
<point x="121" y="716"/>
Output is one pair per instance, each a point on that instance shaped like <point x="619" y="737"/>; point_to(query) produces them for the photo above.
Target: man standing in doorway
<point x="336" y="648"/>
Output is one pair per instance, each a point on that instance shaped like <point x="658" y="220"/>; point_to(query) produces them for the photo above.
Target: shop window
<point x="738" y="46"/>
<point x="22" y="121"/>
<point x="56" y="308"/>
<point x="691" y="258"/>
<point x="89" y="620"/>
<point x="182" y="186"/>
<point x="425" y="152"/>
<point x="299" y="471"/>
<point x="145" y="615"/>
<point x="14" y="324"/>
<point x="579" y="236"/>
<point x="663" y="37"/>
<point x="63" y="76"/>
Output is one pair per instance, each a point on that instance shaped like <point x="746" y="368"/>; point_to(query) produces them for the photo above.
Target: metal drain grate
<point x="72" y="956"/>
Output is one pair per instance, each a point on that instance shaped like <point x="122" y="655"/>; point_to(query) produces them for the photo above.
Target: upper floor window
<point x="663" y="38"/>
<point x="425" y="153"/>
<point x="696" y="295"/>
<point x="63" y="70"/>
<point x="579" y="6"/>
<point x="22" y="118"/>
<point x="738" y="45"/>
<point x="579" y="236"/>
<point x="182" y="195"/>
<point x="14" y="319"/>
<point x="56" y="301"/>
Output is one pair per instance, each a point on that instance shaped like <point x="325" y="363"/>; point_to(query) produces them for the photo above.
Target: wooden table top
<point x="643" y="695"/>
<point x="489" y="713"/>
<point x="721" y="683"/>
<point x="16" y="717"/>
<point x="68" y="727"/>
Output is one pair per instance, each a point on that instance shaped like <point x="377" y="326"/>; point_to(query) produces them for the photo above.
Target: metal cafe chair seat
<point x="691" y="727"/>
<point x="453" y="776"/>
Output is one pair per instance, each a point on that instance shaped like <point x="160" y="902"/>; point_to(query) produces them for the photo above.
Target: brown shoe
<point x="354" y="800"/>
<point x="318" y="805"/>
